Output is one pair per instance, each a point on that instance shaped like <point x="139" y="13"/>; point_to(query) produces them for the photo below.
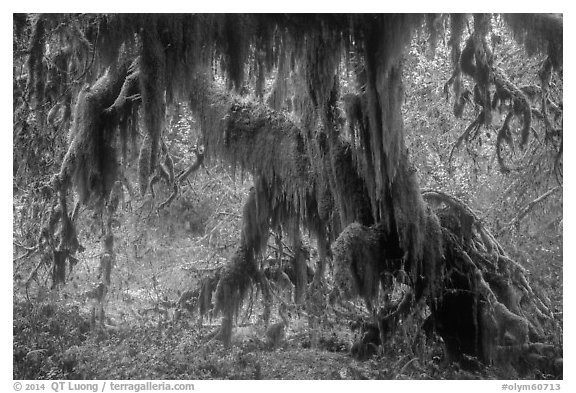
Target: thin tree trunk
<point x="299" y="261"/>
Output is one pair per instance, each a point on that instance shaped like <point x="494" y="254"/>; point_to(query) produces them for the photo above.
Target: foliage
<point x="325" y="149"/>
<point x="43" y="333"/>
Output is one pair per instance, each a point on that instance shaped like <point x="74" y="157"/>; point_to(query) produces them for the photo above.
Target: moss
<point x="152" y="74"/>
<point x="144" y="169"/>
<point x="91" y="160"/>
<point x="348" y="188"/>
<point x="234" y="284"/>
<point x="36" y="68"/>
<point x="280" y="90"/>
<point x="322" y="56"/>
<point x="303" y="169"/>
<point x="478" y="276"/>
<point x="539" y="33"/>
<point x="359" y="253"/>
<point x="234" y="35"/>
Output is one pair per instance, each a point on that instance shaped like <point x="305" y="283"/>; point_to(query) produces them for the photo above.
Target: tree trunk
<point x="299" y="261"/>
<point x="480" y="300"/>
<point x="322" y="245"/>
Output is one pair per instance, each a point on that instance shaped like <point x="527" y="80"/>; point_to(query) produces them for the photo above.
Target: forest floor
<point x="55" y="341"/>
<point x="161" y="254"/>
<point x="54" y="338"/>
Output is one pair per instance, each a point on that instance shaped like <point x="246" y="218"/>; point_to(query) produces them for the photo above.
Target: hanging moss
<point x="59" y="267"/>
<point x="256" y="139"/>
<point x="234" y="36"/>
<point x="457" y="22"/>
<point x="232" y="288"/>
<point x="475" y="60"/>
<point x="539" y="33"/>
<point x="358" y="256"/>
<point x="260" y="77"/>
<point x="383" y="94"/>
<point x="144" y="167"/>
<point x="152" y="84"/>
<point x="110" y="33"/>
<point x="91" y="161"/>
<point x="349" y="190"/>
<point x="264" y="53"/>
<point x="306" y="173"/>
<point x="322" y="55"/>
<point x="35" y="63"/>
<point x="483" y="64"/>
<point x="280" y="89"/>
<point x="242" y="271"/>
<point x="400" y="208"/>
<point x="506" y="90"/>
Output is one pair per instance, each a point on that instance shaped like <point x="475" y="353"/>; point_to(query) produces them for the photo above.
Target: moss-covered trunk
<point x="481" y="302"/>
<point x="410" y="232"/>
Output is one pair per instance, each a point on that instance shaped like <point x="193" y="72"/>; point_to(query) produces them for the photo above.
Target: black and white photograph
<point x="286" y="196"/>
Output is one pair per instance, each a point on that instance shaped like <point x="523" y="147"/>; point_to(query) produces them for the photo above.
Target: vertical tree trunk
<point x="322" y="244"/>
<point x="395" y="192"/>
<point x="299" y="261"/>
<point x="152" y="90"/>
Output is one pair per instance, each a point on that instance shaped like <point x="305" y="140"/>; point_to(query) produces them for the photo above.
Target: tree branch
<point x="182" y="177"/>
<point x="528" y="208"/>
